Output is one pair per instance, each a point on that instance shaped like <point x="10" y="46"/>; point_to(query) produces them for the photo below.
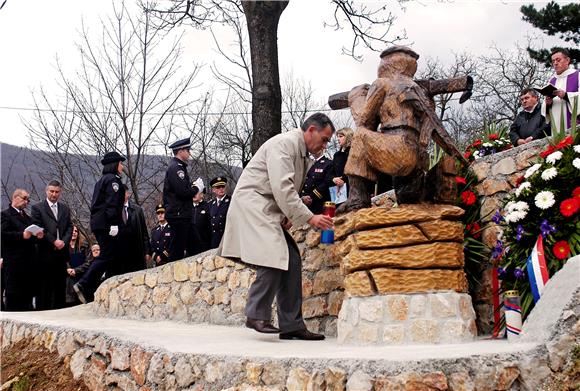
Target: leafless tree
<point x="261" y="19"/>
<point x="127" y="96"/>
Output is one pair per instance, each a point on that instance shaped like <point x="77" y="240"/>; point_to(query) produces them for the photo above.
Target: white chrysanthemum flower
<point x="577" y="148"/>
<point x="515" y="216"/>
<point x="549" y="173"/>
<point x="522" y="187"/>
<point x="509" y="207"/>
<point x="532" y="170"/>
<point x="487" y="145"/>
<point x="544" y="199"/>
<point x="576" y="163"/>
<point x="554" y="157"/>
<point x="522" y="206"/>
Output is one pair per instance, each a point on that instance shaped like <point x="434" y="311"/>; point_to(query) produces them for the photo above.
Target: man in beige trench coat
<point x="264" y="205"/>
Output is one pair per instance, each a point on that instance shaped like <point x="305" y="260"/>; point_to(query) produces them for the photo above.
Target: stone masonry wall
<point x="106" y="363"/>
<point x="212" y="289"/>
<point x="496" y="175"/>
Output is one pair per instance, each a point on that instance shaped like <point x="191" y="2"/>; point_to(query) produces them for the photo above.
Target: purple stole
<point x="571" y="86"/>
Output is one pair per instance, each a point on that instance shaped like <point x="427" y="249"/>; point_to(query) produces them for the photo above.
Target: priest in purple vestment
<point x="566" y="80"/>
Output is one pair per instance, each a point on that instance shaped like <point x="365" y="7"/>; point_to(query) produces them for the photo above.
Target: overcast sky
<point x="33" y="33"/>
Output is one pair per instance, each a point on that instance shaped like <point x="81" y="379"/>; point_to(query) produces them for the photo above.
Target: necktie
<point x="125" y="215"/>
<point x="54" y="211"/>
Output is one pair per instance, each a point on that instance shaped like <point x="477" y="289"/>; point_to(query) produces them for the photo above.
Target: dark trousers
<point x="179" y="237"/>
<point x="91" y="280"/>
<point x="285" y="285"/>
<point x="52" y="279"/>
<point x="17" y="278"/>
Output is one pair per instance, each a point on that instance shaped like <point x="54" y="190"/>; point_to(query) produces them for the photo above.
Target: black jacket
<point x="107" y="203"/>
<point x="19" y="254"/>
<point x="135" y="238"/>
<point x="200" y="232"/>
<point x="178" y="191"/>
<point x="218" y="216"/>
<point x="529" y="124"/>
<point x="43" y="216"/>
<point x="318" y="180"/>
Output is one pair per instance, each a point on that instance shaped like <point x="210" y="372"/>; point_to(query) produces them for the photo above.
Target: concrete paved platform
<point x="212" y="340"/>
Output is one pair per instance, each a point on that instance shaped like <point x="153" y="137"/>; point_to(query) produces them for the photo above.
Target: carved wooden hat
<point x="398" y="48"/>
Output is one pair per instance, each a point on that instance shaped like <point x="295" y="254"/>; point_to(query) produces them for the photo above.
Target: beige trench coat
<point x="266" y="192"/>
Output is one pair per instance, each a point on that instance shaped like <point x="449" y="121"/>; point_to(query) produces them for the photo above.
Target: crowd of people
<point x="45" y="258"/>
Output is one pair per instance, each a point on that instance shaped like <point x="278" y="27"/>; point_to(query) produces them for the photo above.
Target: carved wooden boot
<point x="358" y="196"/>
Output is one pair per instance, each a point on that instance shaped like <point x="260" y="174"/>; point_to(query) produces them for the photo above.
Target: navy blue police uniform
<point x="218" y="211"/>
<point x="106" y="211"/>
<point x="177" y="194"/>
<point x="160" y="240"/>
<point x="318" y="180"/>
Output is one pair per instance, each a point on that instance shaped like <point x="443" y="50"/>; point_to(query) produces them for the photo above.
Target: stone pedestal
<point x="421" y="318"/>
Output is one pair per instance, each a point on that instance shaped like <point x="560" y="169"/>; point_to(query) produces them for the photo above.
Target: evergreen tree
<point x="562" y="22"/>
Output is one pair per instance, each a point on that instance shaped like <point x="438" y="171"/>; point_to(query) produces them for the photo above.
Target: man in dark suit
<point x="135" y="251"/>
<point x="178" y="191"/>
<point x="160" y="238"/>
<point x="315" y="192"/>
<point x="218" y="210"/>
<point x="200" y="234"/>
<point x="53" y="250"/>
<point x="18" y="253"/>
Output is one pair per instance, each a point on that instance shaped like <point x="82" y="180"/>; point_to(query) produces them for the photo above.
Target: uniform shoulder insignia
<point x="115" y="187"/>
<point x="181" y="174"/>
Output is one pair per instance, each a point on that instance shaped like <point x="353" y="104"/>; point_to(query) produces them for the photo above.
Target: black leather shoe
<point x="79" y="291"/>
<point x="303" y="334"/>
<point x="261" y="326"/>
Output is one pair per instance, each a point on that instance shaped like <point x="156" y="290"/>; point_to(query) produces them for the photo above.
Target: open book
<point x="547" y="90"/>
<point x="34" y="229"/>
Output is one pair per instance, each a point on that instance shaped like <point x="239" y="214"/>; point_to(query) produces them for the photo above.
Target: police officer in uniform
<point x="106" y="217"/>
<point x="160" y="238"/>
<point x="218" y="209"/>
<point x="315" y="193"/>
<point x="200" y="234"/>
<point x="177" y="194"/>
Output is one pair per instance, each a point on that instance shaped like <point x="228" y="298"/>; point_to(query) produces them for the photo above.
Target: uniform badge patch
<point x="203" y="212"/>
<point x="115" y="187"/>
<point x="181" y="174"/>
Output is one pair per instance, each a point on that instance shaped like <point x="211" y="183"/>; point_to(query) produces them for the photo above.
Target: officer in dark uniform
<point x="218" y="209"/>
<point x="200" y="234"/>
<point x="178" y="192"/>
<point x="160" y="238"/>
<point x="106" y="217"/>
<point x="315" y="193"/>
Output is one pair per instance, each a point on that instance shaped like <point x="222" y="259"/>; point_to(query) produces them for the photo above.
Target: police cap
<point x="218" y="181"/>
<point x="181" y="144"/>
<point x="112" y="157"/>
<point x="399" y="48"/>
<point x="159" y="208"/>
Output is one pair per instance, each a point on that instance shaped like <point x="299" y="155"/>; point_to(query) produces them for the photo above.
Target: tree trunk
<point x="262" y="19"/>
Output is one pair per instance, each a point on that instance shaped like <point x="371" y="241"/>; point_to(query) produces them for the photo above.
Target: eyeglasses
<point x="25" y="198"/>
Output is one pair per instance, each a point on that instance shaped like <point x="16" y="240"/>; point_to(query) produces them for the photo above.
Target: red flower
<point x="468" y="197"/>
<point x="564" y="143"/>
<point x="493" y="137"/>
<point x="569" y="207"/>
<point x="467" y="154"/>
<point x="477" y="143"/>
<point x="576" y="192"/>
<point x="519" y="180"/>
<point x="561" y="249"/>
<point x="548" y="151"/>
<point x="460" y="180"/>
<point x="474" y="229"/>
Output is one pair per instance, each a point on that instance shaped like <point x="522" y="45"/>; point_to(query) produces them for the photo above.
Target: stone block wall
<point x="421" y="318"/>
<point x="496" y="178"/>
<point x="212" y="289"/>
